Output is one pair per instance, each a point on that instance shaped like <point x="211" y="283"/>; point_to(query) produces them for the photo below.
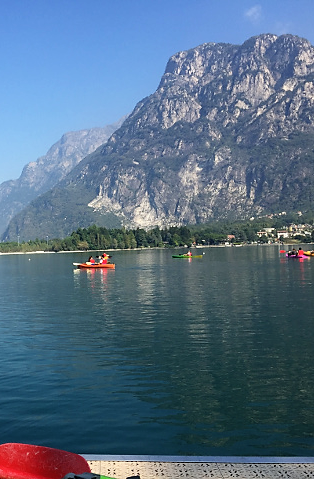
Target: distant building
<point x="283" y="234"/>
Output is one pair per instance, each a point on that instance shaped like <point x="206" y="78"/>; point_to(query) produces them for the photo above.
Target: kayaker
<point x="300" y="252"/>
<point x="91" y="260"/>
<point x="293" y="252"/>
<point x="189" y="253"/>
<point x="104" y="258"/>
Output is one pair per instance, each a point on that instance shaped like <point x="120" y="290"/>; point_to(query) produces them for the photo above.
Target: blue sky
<point x="68" y="65"/>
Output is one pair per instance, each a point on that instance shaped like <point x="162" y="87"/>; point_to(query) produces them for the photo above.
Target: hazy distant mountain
<point x="228" y="133"/>
<point x="39" y="176"/>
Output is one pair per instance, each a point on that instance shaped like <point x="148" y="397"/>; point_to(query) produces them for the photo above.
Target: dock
<point x="195" y="467"/>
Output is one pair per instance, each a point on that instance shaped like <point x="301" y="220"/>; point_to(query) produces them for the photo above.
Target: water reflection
<point x="94" y="279"/>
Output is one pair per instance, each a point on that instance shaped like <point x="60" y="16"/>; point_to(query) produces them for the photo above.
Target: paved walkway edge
<point x="217" y="459"/>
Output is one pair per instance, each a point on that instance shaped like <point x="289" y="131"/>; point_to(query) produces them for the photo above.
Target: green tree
<point x="132" y="240"/>
<point x="141" y="239"/>
<point x="175" y="240"/>
<point x="83" y="245"/>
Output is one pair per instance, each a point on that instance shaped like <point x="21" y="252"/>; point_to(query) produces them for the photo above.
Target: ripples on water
<point x="210" y="356"/>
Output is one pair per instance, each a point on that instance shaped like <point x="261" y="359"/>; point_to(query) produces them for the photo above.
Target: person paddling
<point x="91" y="260"/>
<point x="104" y="258"/>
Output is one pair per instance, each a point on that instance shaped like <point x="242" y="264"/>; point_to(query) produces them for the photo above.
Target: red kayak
<point x="24" y="461"/>
<point x="95" y="265"/>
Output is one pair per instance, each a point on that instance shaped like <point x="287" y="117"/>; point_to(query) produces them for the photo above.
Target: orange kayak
<point x="96" y="265"/>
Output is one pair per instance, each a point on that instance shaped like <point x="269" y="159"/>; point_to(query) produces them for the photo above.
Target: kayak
<point x="187" y="256"/>
<point x="296" y="256"/>
<point x="25" y="461"/>
<point x="95" y="265"/>
<point x="309" y="253"/>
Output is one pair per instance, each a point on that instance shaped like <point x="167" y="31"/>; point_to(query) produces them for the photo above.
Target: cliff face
<point x="39" y="176"/>
<point x="228" y="133"/>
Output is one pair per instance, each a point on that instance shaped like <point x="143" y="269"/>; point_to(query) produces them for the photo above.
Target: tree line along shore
<point x="210" y="234"/>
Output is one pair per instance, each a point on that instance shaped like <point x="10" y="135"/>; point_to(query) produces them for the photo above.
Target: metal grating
<point x="200" y="470"/>
<point x="268" y="471"/>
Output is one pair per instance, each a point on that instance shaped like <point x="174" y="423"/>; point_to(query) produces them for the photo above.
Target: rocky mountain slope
<point x="39" y="176"/>
<point x="227" y="134"/>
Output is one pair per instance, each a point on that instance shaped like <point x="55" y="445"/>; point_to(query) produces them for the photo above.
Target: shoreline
<point x="286" y="245"/>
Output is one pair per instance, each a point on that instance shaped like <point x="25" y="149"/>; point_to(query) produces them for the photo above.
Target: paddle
<point x="86" y="262"/>
<point x="282" y="251"/>
<point x="25" y="461"/>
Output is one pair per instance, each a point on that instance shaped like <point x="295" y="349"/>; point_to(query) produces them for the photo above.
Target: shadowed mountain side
<point x="39" y="176"/>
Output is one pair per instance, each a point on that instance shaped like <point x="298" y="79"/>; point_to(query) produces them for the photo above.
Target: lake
<point x="161" y="356"/>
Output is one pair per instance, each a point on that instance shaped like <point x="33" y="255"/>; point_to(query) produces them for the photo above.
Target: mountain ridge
<point x="227" y="134"/>
<point x="39" y="176"/>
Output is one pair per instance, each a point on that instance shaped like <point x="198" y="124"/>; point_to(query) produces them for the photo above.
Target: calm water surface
<point x="210" y="356"/>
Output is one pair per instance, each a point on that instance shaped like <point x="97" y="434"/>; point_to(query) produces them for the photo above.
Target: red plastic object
<point x="25" y="461"/>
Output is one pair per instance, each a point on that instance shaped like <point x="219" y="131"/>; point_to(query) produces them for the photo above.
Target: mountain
<point x="227" y="134"/>
<point x="39" y="176"/>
